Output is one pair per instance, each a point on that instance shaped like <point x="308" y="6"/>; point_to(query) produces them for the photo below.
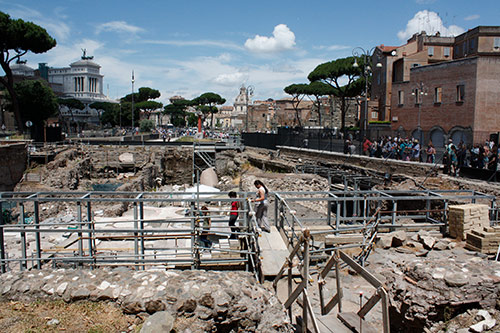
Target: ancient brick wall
<point x="13" y="160"/>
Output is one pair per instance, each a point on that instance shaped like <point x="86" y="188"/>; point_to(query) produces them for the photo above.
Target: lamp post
<point x="133" y="128"/>
<point x="249" y="93"/>
<point x="419" y="92"/>
<point x="358" y="52"/>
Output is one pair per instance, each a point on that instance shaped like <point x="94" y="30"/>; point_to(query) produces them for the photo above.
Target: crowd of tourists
<point x="403" y="149"/>
<point x="481" y="156"/>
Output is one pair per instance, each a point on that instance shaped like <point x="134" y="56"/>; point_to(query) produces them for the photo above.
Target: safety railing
<point x="379" y="295"/>
<point x="300" y="252"/>
<point x="362" y="214"/>
<point x="300" y="260"/>
<point x="157" y="229"/>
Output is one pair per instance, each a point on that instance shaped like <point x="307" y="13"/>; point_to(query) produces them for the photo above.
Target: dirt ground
<point x="58" y="316"/>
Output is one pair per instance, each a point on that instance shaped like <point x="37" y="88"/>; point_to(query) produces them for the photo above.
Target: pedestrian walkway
<point x="273" y="251"/>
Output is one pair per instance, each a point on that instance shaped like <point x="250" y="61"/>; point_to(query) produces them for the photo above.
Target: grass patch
<point x="192" y="139"/>
<point x="84" y="316"/>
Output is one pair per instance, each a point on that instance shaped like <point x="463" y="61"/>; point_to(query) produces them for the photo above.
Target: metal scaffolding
<point x="92" y="241"/>
<point x="365" y="213"/>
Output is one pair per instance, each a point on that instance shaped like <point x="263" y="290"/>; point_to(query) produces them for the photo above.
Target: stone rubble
<point x="206" y="300"/>
<point x="425" y="290"/>
<point x="472" y="320"/>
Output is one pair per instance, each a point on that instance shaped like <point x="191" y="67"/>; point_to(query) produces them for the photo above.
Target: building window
<point x="460" y="93"/>
<point x="418" y="94"/>
<point x="375" y="115"/>
<point x="401" y="97"/>
<point x="430" y="51"/>
<point x="496" y="43"/>
<point x="438" y="93"/>
<point x="446" y="51"/>
<point x="471" y="44"/>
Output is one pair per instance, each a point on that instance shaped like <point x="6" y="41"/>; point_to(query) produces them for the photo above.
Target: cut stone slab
<point x="398" y="238"/>
<point x="126" y="158"/>
<point x="385" y="241"/>
<point x="428" y="242"/>
<point x="455" y="279"/>
<point x="159" y="322"/>
<point x="209" y="177"/>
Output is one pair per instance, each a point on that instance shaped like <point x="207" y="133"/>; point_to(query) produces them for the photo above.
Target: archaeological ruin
<point x="357" y="244"/>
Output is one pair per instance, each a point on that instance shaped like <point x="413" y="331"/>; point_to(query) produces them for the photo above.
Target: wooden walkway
<point x="273" y="251"/>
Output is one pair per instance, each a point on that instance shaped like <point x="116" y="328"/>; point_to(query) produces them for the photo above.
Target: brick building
<point x="435" y="88"/>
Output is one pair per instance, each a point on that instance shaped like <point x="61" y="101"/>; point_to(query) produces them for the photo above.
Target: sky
<point x="190" y="47"/>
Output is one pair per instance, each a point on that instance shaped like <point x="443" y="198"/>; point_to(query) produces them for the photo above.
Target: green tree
<point x="146" y="125"/>
<point x="177" y="111"/>
<point x="335" y="73"/>
<point x="148" y="106"/>
<point x="192" y="119"/>
<point x="143" y="94"/>
<point x="298" y="92"/>
<point x="317" y="89"/>
<point x="111" y="112"/>
<point x="17" y="37"/>
<point x="71" y="103"/>
<point x="207" y="104"/>
<point x="37" y="102"/>
<point x="142" y="102"/>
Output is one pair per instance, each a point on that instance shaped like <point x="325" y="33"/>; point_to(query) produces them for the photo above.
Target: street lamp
<point x="419" y="92"/>
<point x="249" y="92"/>
<point x="358" y="52"/>
<point x="133" y="128"/>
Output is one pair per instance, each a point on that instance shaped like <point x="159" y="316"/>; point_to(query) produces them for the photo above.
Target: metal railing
<point x="141" y="238"/>
<point x="300" y="259"/>
<point x="365" y="213"/>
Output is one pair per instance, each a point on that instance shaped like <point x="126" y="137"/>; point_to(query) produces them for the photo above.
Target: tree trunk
<point x="10" y="88"/>
<point x="343" y="113"/>
<point x="319" y="111"/>
<point x="297" y="116"/>
<point x="15" y="103"/>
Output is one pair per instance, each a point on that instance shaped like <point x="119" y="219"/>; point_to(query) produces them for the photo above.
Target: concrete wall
<point x="13" y="161"/>
<point x="376" y="164"/>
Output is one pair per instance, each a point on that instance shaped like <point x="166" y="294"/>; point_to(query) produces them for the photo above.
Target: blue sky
<point x="190" y="47"/>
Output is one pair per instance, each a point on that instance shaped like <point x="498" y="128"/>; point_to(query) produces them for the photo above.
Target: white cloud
<point x="472" y="17"/>
<point x="118" y="26"/>
<point x="55" y="27"/>
<point x="431" y="23"/>
<point x="203" y="42"/>
<point x="283" y="39"/>
<point x="232" y="79"/>
<point x="333" y="47"/>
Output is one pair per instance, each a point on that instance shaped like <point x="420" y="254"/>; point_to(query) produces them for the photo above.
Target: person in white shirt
<point x="263" y="203"/>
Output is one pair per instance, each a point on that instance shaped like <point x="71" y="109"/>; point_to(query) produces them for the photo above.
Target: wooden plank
<point x="353" y="321"/>
<point x="360" y="270"/>
<point x="273" y="251"/>
<point x="331" y="324"/>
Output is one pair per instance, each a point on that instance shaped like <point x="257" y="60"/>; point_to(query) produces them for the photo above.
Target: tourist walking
<point x="431" y="153"/>
<point x="233" y="215"/>
<point x="205" y="222"/>
<point x="261" y="200"/>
